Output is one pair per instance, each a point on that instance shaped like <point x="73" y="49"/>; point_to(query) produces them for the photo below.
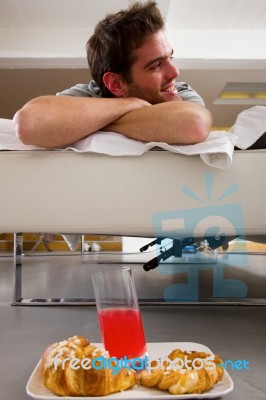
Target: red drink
<point x="122" y="332"/>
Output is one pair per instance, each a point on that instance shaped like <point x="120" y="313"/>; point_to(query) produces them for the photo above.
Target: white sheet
<point x="249" y="126"/>
<point x="216" y="151"/>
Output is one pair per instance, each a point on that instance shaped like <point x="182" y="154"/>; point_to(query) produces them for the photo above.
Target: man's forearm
<point x="172" y="122"/>
<point x="55" y="121"/>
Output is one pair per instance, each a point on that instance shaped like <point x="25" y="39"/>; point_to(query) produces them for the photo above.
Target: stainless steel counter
<point x="233" y="332"/>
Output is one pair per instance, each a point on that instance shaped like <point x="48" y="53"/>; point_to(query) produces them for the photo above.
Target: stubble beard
<point x="145" y="94"/>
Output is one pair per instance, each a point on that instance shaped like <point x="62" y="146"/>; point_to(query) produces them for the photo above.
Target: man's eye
<point x="157" y="65"/>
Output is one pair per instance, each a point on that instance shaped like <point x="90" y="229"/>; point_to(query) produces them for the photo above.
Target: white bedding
<point x="216" y="151"/>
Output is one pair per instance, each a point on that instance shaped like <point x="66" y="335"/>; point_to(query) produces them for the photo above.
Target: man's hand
<point x="175" y="122"/>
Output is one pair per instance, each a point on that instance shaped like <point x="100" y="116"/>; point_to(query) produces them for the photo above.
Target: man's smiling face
<point x="153" y="73"/>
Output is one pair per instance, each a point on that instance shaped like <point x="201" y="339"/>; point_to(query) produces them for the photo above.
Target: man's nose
<point x="172" y="71"/>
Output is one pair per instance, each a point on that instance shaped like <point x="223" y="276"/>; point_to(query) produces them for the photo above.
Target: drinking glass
<point x="118" y="313"/>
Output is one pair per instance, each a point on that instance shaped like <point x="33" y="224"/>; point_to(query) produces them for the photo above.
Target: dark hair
<point x="110" y="48"/>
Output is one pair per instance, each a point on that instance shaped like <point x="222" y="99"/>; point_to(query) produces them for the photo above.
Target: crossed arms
<point x="56" y="121"/>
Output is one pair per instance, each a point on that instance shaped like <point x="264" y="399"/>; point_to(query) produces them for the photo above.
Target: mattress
<point x="157" y="194"/>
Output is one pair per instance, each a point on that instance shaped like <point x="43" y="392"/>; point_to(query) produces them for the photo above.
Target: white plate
<point x="36" y="389"/>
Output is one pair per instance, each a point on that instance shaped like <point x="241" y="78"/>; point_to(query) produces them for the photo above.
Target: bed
<point x="112" y="185"/>
<point x="53" y="191"/>
<point x="157" y="194"/>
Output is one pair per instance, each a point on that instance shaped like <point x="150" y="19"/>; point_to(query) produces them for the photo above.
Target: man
<point x="134" y="91"/>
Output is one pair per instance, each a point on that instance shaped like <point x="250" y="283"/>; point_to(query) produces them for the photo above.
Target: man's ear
<point x="114" y="83"/>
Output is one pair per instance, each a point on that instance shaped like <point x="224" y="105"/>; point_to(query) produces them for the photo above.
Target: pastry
<point x="183" y="372"/>
<point x="74" y="367"/>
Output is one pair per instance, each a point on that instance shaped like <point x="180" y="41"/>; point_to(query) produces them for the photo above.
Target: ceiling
<point x="216" y="42"/>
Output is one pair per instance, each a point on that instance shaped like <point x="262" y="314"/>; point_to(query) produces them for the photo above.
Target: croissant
<point x="67" y="370"/>
<point x="202" y="371"/>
